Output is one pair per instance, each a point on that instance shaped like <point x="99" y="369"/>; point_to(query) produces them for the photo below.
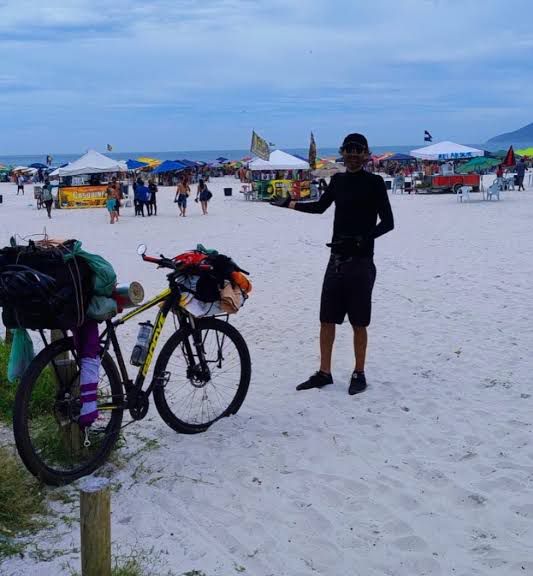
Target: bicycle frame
<point x="169" y="297"/>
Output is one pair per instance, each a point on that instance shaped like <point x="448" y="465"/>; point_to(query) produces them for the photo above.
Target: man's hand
<point x="282" y="202"/>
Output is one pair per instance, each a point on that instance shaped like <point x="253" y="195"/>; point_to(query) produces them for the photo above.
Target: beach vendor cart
<point x="446" y="153"/>
<point x="83" y="183"/>
<point x="282" y="174"/>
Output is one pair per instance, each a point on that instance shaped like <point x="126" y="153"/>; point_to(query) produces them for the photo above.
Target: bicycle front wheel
<point x="49" y="440"/>
<point x="191" y="395"/>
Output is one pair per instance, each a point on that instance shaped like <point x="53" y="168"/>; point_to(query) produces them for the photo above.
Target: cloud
<point x="183" y="73"/>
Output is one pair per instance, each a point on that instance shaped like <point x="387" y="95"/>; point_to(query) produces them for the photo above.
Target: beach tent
<point x="91" y="162"/>
<point x="188" y="163"/>
<point x="279" y="160"/>
<point x="135" y="164"/>
<point x="400" y="158"/>
<point x="169" y="166"/>
<point x="446" y="151"/>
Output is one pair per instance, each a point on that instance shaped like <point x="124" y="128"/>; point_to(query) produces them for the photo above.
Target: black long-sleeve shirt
<point x="360" y="198"/>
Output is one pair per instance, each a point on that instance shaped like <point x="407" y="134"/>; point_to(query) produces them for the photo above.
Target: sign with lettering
<point x="82" y="196"/>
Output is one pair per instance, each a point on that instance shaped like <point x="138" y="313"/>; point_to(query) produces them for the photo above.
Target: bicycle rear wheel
<point x="189" y="397"/>
<point x="47" y="405"/>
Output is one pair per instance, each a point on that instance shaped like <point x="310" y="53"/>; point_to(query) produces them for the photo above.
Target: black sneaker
<point x="357" y="383"/>
<point x="317" y="380"/>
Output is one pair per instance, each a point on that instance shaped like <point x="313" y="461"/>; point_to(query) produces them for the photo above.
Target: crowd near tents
<point x="282" y="173"/>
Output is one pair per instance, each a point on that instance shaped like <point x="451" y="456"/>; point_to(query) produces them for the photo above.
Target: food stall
<point x="282" y="174"/>
<point x="83" y="183"/>
<point x="445" y="153"/>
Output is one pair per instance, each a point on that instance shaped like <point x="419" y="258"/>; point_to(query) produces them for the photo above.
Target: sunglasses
<point x="353" y="149"/>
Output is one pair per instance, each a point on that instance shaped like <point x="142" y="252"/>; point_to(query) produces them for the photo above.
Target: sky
<point x="199" y="75"/>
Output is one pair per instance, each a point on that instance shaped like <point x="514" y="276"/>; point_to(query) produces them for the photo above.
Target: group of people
<point x="113" y="198"/>
<point x="145" y="197"/>
<point x="183" y="191"/>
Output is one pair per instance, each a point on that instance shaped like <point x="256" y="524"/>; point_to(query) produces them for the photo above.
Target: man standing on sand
<point x="360" y="198"/>
<point x="20" y="184"/>
<point x="520" y="173"/>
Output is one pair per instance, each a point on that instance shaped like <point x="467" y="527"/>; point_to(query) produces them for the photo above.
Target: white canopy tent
<point x="91" y="163"/>
<point x="279" y="160"/>
<point x="446" y="151"/>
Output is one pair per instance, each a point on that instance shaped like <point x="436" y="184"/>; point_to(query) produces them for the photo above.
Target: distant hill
<point x="521" y="136"/>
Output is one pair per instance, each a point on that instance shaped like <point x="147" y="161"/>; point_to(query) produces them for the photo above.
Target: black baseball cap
<point x="355" y="139"/>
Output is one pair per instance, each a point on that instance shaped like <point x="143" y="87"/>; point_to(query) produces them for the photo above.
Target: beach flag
<point x="109" y="148"/>
<point x="427" y="136"/>
<point x="312" y="153"/>
<point x="509" y="158"/>
<point x="259" y="147"/>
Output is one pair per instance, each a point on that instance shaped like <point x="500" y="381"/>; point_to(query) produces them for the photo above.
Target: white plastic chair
<point x="493" y="191"/>
<point x="463" y="193"/>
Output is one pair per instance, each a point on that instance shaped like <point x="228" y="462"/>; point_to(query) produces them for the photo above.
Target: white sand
<point x="428" y="473"/>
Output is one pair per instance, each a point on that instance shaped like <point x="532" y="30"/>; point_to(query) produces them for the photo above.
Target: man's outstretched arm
<point x="317" y="207"/>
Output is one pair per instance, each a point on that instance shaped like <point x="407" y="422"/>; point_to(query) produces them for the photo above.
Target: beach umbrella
<point x="479" y="163"/>
<point x="39" y="165"/>
<point x="509" y="159"/>
<point x="526" y="152"/>
<point x="135" y="164"/>
<point x="222" y="160"/>
<point x="384" y="156"/>
<point x="152" y="162"/>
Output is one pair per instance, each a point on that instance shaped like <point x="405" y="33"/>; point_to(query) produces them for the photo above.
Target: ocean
<point x="203" y="155"/>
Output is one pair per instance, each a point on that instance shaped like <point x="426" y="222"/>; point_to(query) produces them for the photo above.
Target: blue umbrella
<point x="169" y="166"/>
<point x="221" y="159"/>
<point x="135" y="164"/>
<point x="39" y="165"/>
<point x="400" y="158"/>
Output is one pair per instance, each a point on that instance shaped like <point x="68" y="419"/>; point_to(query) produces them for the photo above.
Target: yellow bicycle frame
<point x="158" y="328"/>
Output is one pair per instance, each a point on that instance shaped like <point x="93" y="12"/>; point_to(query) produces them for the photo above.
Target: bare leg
<point x="327" y="338"/>
<point x="360" y="340"/>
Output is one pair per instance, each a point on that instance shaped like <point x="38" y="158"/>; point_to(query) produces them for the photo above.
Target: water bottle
<point x="140" y="349"/>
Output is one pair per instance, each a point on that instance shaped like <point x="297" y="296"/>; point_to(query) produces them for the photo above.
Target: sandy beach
<point x="428" y="473"/>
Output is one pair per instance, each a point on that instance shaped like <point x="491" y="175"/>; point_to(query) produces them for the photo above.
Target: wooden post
<point x="66" y="368"/>
<point x="95" y="527"/>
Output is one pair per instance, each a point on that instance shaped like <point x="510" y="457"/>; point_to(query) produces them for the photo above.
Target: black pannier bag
<point x="39" y="290"/>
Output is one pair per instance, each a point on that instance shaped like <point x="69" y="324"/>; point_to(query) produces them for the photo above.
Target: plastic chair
<point x="493" y="191"/>
<point x="463" y="193"/>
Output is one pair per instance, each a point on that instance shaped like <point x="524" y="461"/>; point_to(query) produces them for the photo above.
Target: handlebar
<point x="162" y="262"/>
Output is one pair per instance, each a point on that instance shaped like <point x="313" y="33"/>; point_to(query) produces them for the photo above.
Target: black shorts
<point x="347" y="289"/>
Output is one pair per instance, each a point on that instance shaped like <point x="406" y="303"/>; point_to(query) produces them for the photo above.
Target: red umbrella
<point x="509" y="159"/>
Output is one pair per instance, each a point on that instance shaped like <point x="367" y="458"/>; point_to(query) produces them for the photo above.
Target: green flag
<point x="259" y="147"/>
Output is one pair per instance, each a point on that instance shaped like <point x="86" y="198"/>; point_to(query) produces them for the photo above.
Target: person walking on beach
<point x="204" y="195"/>
<point x="360" y="198"/>
<point x="520" y="173"/>
<point x="47" y="197"/>
<point x="20" y="184"/>
<point x="111" y="203"/>
<point x="152" y="204"/>
<point x="182" y="193"/>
